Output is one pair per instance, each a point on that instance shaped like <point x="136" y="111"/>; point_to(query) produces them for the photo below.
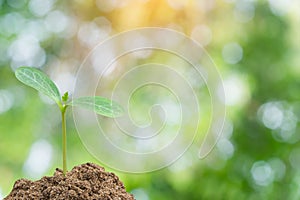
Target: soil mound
<point x="87" y="181"/>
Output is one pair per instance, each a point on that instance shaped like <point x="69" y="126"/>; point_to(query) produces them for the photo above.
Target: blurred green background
<point x="254" y="43"/>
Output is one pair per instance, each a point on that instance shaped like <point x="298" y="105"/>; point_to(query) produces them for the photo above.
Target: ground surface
<point x="87" y="181"/>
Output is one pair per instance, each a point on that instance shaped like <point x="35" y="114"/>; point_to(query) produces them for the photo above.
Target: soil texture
<point x="83" y="182"/>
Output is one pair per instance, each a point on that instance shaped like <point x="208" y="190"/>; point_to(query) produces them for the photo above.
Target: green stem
<point x="64" y="138"/>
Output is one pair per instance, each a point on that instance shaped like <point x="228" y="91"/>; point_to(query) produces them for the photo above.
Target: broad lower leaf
<point x="38" y="80"/>
<point x="99" y="105"/>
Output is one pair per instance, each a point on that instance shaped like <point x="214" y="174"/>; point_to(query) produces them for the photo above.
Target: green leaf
<point x="99" y="105"/>
<point x="38" y="80"/>
<point x="65" y="97"/>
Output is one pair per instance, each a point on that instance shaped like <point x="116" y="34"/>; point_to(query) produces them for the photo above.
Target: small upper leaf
<point x="99" y="105"/>
<point x="38" y="80"/>
<point x="65" y="97"/>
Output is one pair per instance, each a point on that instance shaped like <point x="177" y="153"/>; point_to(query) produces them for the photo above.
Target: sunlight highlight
<point x="33" y="56"/>
<point x="6" y="101"/>
<point x="244" y="11"/>
<point x="232" y="53"/>
<point x="39" y="158"/>
<point x="226" y="148"/>
<point x="280" y="117"/>
<point x="278" y="167"/>
<point x="40" y="8"/>
<point x="1" y="195"/>
<point x="262" y="173"/>
<point x="140" y="194"/>
<point x="280" y="7"/>
<point x="237" y="91"/>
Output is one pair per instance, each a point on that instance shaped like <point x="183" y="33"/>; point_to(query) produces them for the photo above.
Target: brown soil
<point x="87" y="181"/>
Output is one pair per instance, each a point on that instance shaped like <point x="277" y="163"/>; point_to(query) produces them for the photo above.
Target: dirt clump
<point x="84" y="182"/>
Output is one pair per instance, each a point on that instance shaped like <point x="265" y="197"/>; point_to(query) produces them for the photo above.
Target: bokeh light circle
<point x="158" y="130"/>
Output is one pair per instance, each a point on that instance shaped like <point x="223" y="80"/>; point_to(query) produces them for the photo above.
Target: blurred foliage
<point x="261" y="129"/>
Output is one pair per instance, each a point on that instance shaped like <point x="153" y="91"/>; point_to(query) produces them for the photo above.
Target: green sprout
<point x="41" y="82"/>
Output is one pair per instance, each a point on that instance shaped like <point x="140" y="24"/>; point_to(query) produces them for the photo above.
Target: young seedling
<point x="41" y="82"/>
